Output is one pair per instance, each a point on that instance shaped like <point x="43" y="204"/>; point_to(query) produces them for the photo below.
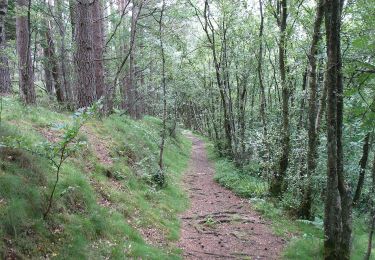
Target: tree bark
<point x="98" y="35"/>
<point x="261" y="84"/>
<point x="278" y="185"/>
<point x="63" y="57"/>
<point x="338" y="204"/>
<point x="52" y="69"/>
<point x="161" y="177"/>
<point x="362" y="169"/>
<point x="305" y="208"/>
<point x="86" y="93"/>
<point x="372" y="216"/>
<point x="26" y="75"/>
<point x="5" y="83"/>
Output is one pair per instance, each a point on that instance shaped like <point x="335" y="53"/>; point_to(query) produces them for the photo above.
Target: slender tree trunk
<point x="98" y="36"/>
<point x="305" y="208"/>
<point x="26" y="76"/>
<point x="372" y="216"/>
<point x="344" y="189"/>
<point x="278" y="185"/>
<point x="63" y="56"/>
<point x="362" y="169"/>
<point x="301" y="121"/>
<point x="322" y="107"/>
<point x="48" y="76"/>
<point x="163" y="134"/>
<point x="85" y="54"/>
<point x="52" y="67"/>
<point x="261" y="84"/>
<point x="131" y="87"/>
<point x="5" y="83"/>
<point x="209" y="30"/>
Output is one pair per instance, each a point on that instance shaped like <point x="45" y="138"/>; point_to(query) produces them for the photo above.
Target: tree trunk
<point x="261" y="85"/>
<point x="47" y="74"/>
<point x="161" y="178"/>
<point x="98" y="35"/>
<point x="130" y="87"/>
<point x="63" y="56"/>
<point x="26" y="76"/>
<point x="338" y="218"/>
<point x="85" y="55"/>
<point x="305" y="208"/>
<point x="278" y="185"/>
<point x="362" y="169"/>
<point x="52" y="67"/>
<point x="5" y="83"/>
<point x="372" y="216"/>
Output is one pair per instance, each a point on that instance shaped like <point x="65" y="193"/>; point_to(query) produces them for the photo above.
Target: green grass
<point x="243" y="183"/>
<point x="94" y="216"/>
<point x="305" y="238"/>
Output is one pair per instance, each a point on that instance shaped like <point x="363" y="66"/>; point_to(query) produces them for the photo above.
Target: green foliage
<point x="243" y="182"/>
<point x="304" y="238"/>
<point x="57" y="152"/>
<point x="95" y="215"/>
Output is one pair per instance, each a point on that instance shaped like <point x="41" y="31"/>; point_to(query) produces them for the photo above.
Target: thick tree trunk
<point x="362" y="169"/>
<point x="86" y="93"/>
<point x="5" y="84"/>
<point x="338" y="218"/>
<point x="26" y="75"/>
<point x="305" y="209"/>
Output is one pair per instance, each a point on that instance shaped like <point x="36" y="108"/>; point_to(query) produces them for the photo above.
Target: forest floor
<point x="219" y="224"/>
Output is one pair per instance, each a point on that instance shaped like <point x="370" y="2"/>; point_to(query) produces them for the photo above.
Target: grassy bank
<point x="305" y="238"/>
<point x="106" y="205"/>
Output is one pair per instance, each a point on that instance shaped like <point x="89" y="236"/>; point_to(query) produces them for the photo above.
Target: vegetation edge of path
<point x="304" y="238"/>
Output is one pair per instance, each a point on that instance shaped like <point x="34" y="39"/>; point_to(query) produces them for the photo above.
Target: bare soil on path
<point x="218" y="224"/>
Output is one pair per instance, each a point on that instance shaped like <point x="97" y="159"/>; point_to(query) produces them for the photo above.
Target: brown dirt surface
<point x="100" y="146"/>
<point x="220" y="225"/>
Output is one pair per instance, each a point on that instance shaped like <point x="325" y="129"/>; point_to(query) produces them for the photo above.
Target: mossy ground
<point x="100" y="209"/>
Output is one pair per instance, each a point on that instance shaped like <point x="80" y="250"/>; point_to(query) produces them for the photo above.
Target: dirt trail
<point x="220" y="225"/>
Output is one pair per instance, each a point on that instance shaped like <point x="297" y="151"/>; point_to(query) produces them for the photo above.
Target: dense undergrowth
<point x="106" y="205"/>
<point x="305" y="238"/>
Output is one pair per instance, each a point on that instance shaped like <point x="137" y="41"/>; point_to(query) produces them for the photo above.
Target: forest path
<point x="220" y="225"/>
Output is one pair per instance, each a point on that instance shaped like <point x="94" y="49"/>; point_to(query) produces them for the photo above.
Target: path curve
<point x="218" y="224"/>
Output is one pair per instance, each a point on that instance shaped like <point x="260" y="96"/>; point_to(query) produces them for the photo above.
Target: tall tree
<point x="338" y="218"/>
<point x="372" y="213"/>
<point x="5" y="84"/>
<point x="278" y="185"/>
<point x="362" y="169"/>
<point x="26" y="74"/>
<point x="261" y="80"/>
<point x="63" y="54"/>
<point x="305" y="209"/>
<point x="163" y="85"/>
<point x="52" y="69"/>
<point x="130" y="79"/>
<point x="98" y="35"/>
<point x="86" y="91"/>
